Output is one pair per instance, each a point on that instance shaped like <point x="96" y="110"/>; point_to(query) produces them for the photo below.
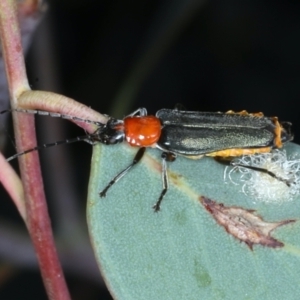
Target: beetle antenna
<point x="50" y="114"/>
<point x="89" y="138"/>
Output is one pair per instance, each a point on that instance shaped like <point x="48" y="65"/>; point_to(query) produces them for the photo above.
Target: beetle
<point x="190" y="134"/>
<point x="193" y="135"/>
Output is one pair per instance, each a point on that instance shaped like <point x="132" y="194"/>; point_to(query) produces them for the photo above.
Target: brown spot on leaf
<point x="243" y="224"/>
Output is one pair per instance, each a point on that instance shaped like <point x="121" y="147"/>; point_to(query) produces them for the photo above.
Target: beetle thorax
<point x="142" y="131"/>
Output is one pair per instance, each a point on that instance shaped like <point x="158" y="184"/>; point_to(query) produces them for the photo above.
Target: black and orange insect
<point x="190" y="134"/>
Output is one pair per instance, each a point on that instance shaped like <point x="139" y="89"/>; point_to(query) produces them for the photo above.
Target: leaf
<point x="183" y="251"/>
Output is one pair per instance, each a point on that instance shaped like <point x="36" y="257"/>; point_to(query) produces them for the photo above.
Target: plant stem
<point x="37" y="221"/>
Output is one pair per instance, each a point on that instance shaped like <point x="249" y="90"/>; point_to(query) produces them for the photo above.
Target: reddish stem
<point x="38" y="222"/>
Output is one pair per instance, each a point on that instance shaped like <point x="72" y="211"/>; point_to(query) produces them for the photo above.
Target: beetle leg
<point x="229" y="162"/>
<point x="262" y="170"/>
<point x="136" y="159"/>
<point x="142" y="111"/>
<point x="166" y="156"/>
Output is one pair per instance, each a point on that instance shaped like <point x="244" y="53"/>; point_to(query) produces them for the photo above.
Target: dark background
<point x="116" y="56"/>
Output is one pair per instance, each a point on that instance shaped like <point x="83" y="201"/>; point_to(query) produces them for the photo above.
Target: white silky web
<point x="282" y="187"/>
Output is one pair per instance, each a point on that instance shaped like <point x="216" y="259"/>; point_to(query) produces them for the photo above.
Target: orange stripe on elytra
<point x="239" y="152"/>
<point x="277" y="131"/>
<point x="245" y="113"/>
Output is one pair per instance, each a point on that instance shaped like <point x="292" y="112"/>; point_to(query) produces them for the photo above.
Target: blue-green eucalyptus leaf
<point x="182" y="252"/>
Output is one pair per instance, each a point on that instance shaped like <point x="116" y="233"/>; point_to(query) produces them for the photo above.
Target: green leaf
<point x="182" y="252"/>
